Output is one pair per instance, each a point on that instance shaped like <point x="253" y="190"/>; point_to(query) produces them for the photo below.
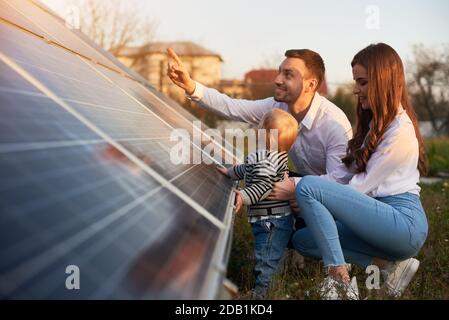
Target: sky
<point x="251" y="34"/>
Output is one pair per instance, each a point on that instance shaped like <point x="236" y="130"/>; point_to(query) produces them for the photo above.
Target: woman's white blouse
<point x="392" y="168"/>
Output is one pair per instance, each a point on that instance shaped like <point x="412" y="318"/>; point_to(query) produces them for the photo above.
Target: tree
<point x="429" y="86"/>
<point x="115" y="24"/>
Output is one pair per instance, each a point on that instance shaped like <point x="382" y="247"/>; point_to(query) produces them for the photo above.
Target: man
<point x="324" y="128"/>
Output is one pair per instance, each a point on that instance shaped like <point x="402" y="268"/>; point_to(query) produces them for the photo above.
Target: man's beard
<point x="283" y="98"/>
<point x="287" y="96"/>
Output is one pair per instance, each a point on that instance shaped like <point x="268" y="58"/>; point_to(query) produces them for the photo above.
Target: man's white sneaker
<point x="399" y="276"/>
<point x="332" y="289"/>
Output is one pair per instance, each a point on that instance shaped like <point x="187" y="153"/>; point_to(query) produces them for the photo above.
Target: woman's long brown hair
<point x="387" y="90"/>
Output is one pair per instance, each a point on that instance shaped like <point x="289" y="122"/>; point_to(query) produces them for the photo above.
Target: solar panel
<point x="86" y="179"/>
<point x="57" y="30"/>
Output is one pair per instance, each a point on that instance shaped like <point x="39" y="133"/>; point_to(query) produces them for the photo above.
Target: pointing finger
<point x="174" y="56"/>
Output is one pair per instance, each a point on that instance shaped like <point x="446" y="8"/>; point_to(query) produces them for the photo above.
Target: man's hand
<point x="222" y="170"/>
<point x="178" y="73"/>
<point x="238" y="201"/>
<point x="284" y="190"/>
<point x="294" y="207"/>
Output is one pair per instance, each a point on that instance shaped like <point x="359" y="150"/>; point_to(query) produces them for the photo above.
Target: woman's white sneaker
<point x="399" y="276"/>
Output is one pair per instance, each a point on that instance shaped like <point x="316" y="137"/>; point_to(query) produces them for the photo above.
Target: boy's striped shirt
<point x="260" y="171"/>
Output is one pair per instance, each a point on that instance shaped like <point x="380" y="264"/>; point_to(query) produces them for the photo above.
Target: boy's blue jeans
<point x="346" y="225"/>
<point x="271" y="238"/>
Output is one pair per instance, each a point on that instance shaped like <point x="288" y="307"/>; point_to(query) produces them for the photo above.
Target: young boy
<point x="271" y="221"/>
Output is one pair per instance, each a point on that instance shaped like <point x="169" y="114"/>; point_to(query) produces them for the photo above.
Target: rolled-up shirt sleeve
<point x="250" y="111"/>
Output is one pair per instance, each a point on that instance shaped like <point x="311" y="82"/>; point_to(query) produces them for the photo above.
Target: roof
<point x="182" y="48"/>
<point x="261" y="75"/>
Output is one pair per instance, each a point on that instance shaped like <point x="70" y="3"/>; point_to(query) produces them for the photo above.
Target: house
<point x="237" y="89"/>
<point x="260" y="83"/>
<point x="151" y="62"/>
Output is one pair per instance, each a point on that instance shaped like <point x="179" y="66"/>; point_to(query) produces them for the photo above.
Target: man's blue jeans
<point x="271" y="238"/>
<point x="346" y="225"/>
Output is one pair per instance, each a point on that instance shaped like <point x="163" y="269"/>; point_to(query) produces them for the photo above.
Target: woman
<point x="368" y="210"/>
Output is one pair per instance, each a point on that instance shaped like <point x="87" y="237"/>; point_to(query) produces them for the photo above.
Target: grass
<point x="292" y="282"/>
<point x="438" y="155"/>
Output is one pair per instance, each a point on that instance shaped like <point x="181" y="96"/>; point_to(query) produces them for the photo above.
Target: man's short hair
<point x="313" y="61"/>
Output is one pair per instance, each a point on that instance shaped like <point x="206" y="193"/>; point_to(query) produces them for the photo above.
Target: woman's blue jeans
<point x="344" y="225"/>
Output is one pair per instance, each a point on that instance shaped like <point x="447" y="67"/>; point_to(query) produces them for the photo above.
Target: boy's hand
<point x="178" y="73"/>
<point x="283" y="190"/>
<point x="238" y="201"/>
<point x="222" y="170"/>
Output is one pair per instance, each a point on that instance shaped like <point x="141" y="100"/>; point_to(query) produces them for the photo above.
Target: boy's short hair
<point x="313" y="61"/>
<point x="286" y="125"/>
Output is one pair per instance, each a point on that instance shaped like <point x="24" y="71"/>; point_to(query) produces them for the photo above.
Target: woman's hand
<point x="283" y="190"/>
